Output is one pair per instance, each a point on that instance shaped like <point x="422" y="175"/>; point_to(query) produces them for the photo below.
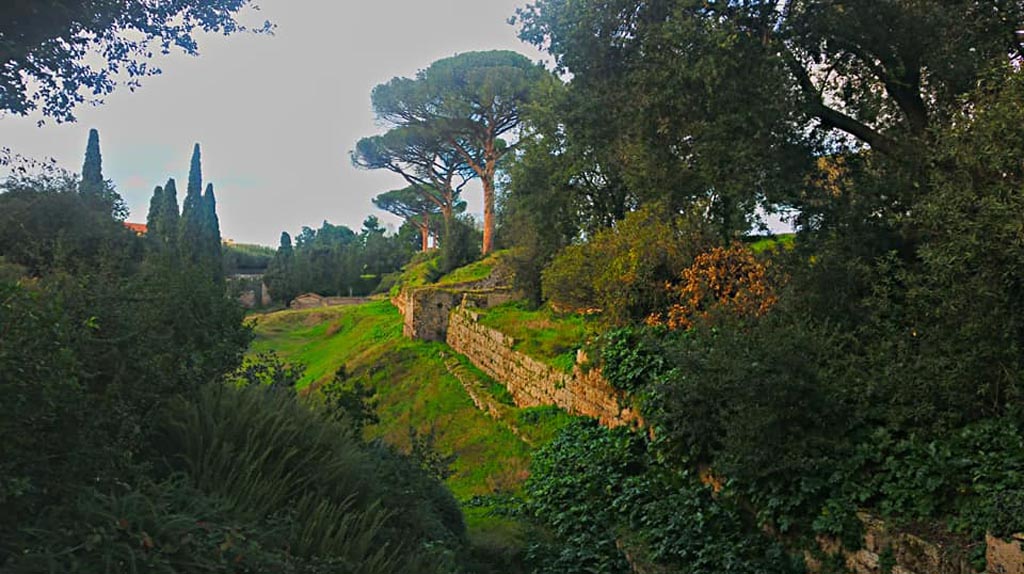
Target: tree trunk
<point x="425" y="232"/>
<point x="488" y="245"/>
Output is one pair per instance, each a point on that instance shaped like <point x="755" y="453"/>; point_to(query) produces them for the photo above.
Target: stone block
<point x="1004" y="556"/>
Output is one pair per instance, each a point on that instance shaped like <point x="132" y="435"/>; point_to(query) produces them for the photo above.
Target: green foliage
<point x="241" y="258"/>
<point x="293" y="458"/>
<point x="46" y="226"/>
<point x="263" y="484"/>
<point x="190" y="235"/>
<point x="762" y="244"/>
<point x="210" y="228"/>
<point x="42" y="393"/>
<point x="633" y="359"/>
<point x="267" y="369"/>
<point x="349" y="402"/>
<point x="459" y="244"/>
<point x="92" y="172"/>
<point x="78" y="340"/>
<point x="621" y="271"/>
<point x="612" y="508"/>
<point x="164" y="234"/>
<point x="334" y="260"/>
<point x="49" y="43"/>
<point x="550" y="337"/>
<point x="974" y="476"/>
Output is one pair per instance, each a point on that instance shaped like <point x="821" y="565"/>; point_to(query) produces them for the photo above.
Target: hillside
<point x="417" y="386"/>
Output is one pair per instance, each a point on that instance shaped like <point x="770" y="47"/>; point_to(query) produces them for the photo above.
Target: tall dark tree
<point x="285" y="248"/>
<point x="92" y="170"/>
<point x="156" y="204"/>
<point x="211" y="231"/>
<point x="192" y="212"/>
<point x="280" y="277"/>
<point x="167" y="223"/>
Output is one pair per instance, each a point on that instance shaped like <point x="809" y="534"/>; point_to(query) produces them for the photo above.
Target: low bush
<point x="611" y="507"/>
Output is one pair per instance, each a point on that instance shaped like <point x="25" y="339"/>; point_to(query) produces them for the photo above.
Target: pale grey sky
<point x="275" y="115"/>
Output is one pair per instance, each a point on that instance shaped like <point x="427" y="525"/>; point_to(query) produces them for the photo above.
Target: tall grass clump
<point x="250" y="479"/>
<point x="264" y="453"/>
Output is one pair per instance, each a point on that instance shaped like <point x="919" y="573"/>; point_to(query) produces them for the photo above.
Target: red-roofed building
<point x="138" y="228"/>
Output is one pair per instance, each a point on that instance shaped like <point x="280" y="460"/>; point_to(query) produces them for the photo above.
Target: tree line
<point x="121" y="366"/>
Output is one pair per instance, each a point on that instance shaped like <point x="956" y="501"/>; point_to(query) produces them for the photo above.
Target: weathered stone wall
<point x="426" y="310"/>
<point x="885" y="550"/>
<point x="1005" y="556"/>
<point x="531" y="382"/>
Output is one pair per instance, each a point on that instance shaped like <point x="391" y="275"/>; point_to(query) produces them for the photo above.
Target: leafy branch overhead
<point x="46" y="47"/>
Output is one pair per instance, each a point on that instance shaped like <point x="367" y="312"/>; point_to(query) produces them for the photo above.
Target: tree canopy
<point x="470" y="104"/>
<point x="418" y="206"/>
<point x="46" y="46"/>
<point x="728" y="102"/>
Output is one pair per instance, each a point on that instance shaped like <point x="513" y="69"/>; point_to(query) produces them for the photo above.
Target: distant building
<point x="138" y="228"/>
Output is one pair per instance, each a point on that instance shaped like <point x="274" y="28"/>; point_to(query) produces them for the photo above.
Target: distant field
<point x="785" y="241"/>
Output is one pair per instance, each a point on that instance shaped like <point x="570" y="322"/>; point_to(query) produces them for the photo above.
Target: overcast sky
<point x="275" y="115"/>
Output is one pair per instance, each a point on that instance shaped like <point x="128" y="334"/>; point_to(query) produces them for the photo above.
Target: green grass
<point x="541" y="424"/>
<point x="422" y="271"/>
<point x="785" y="241"/>
<point x="413" y="388"/>
<point x="476" y="271"/>
<point x="541" y="334"/>
<point x="419" y="272"/>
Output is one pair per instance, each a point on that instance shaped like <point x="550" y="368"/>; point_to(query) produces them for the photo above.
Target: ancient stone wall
<point x="426" y="310"/>
<point x="890" y="551"/>
<point x="1005" y="556"/>
<point x="442" y="314"/>
<point x="531" y="382"/>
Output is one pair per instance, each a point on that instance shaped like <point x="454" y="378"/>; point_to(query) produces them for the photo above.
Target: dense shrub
<point x="263" y="452"/>
<point x="460" y="244"/>
<point x="611" y="507"/>
<point x="622" y="271"/>
<point x="729" y="280"/>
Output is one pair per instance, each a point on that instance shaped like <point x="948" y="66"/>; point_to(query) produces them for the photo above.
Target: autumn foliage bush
<point x="726" y="279"/>
<point x="620" y="271"/>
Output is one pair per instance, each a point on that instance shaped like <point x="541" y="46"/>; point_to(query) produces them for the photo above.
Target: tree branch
<point x="834" y="118"/>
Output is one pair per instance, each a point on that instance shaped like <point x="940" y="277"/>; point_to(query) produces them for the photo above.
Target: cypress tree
<point x="92" y="170"/>
<point x="285" y="249"/>
<point x="167" y="224"/>
<point x="191" y="234"/>
<point x="280" y="275"/>
<point x="211" y="232"/>
<point x="156" y="204"/>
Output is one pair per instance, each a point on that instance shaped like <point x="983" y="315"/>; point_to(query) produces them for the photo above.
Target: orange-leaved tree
<point x="722" y="279"/>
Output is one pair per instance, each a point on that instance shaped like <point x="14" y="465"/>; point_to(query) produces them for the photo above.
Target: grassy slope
<point x="414" y="389"/>
<point x="421" y="271"/>
<point x="540" y="333"/>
